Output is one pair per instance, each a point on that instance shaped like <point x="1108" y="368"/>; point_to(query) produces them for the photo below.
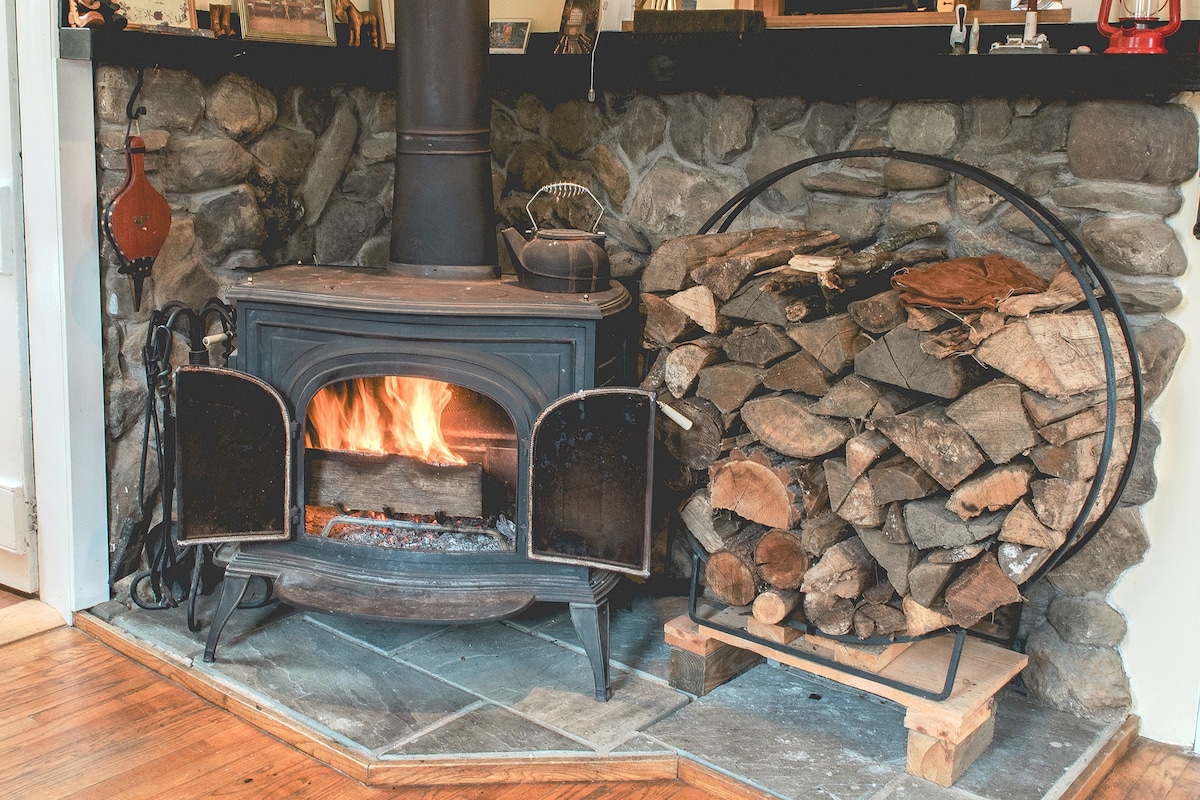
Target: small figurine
<point x="84" y="14"/>
<point x="358" y="21"/>
<point x="218" y="15"/>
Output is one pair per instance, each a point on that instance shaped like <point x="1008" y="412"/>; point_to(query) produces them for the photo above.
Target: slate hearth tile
<point x="549" y="683"/>
<point x="635" y="632"/>
<point x="488" y="729"/>
<point x="168" y="628"/>
<point x="1044" y="742"/>
<point x="539" y="615"/>
<point x="385" y="636"/>
<point x="357" y="693"/>
<point x="796" y="737"/>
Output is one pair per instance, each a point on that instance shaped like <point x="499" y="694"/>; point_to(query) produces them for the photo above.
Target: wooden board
<point x="26" y="618"/>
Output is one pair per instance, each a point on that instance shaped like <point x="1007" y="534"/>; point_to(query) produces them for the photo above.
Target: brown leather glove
<point x="966" y="284"/>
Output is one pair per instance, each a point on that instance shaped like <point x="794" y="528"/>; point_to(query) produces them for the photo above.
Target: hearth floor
<point x="394" y="692"/>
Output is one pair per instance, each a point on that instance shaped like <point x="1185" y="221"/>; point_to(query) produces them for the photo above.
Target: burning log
<point x="371" y="482"/>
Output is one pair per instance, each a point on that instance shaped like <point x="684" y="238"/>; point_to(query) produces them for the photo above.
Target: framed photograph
<point x="160" y="14"/>
<point x="580" y="21"/>
<point x="385" y="12"/>
<point x="509" y="35"/>
<point x="306" y="21"/>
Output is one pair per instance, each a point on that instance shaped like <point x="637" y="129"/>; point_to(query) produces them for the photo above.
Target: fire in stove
<point x="410" y="463"/>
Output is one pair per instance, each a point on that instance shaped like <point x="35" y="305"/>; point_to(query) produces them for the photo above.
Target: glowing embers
<point x="388" y="414"/>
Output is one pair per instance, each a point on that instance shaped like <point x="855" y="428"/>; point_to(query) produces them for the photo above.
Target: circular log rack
<point x="1090" y="277"/>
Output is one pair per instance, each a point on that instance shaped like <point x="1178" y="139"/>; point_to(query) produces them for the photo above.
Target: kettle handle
<point x="564" y="190"/>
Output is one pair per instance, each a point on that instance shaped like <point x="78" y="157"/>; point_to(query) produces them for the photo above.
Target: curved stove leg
<point x="591" y="623"/>
<point x="232" y="591"/>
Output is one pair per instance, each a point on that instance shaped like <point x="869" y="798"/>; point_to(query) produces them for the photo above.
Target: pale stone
<point x="194" y="164"/>
<point x="1087" y="621"/>
<point x="329" y="161"/>
<point x="730" y="128"/>
<point x="1082" y="680"/>
<point x="241" y="107"/>
<point x="1133" y="141"/>
<point x="642" y="129"/>
<point x="925" y="127"/>
<point x="1135" y="246"/>
<point x="827" y="126"/>
<point x="575" y="126"/>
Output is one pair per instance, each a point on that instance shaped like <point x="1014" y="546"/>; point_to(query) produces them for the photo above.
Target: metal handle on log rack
<point x="1088" y="274"/>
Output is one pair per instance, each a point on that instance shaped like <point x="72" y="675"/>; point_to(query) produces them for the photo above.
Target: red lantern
<point x="1139" y="30"/>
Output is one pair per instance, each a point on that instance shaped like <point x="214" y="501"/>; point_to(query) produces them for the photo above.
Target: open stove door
<point x="590" y="483"/>
<point x="234" y="448"/>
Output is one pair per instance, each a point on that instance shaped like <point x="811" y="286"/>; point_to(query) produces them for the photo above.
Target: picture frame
<point x="580" y="24"/>
<point x="509" y="35"/>
<point x="385" y="12"/>
<point x="164" y="15"/>
<point x="298" y="21"/>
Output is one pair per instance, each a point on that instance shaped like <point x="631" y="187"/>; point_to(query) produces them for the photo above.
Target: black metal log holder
<point x="1085" y="270"/>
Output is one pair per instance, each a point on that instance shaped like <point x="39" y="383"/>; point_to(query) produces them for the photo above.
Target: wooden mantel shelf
<point x="838" y="64"/>
<point x="905" y="18"/>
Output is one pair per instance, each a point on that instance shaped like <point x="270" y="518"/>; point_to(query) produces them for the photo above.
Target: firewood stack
<point x="862" y="464"/>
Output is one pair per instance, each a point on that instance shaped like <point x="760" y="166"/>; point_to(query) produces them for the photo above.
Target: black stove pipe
<point x="443" y="213"/>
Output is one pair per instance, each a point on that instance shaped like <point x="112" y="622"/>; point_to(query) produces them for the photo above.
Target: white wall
<point x="1160" y="596"/>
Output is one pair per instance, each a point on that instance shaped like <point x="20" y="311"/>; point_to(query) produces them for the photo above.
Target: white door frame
<point x="63" y="291"/>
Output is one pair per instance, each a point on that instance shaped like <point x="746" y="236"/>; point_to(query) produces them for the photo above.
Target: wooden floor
<point x="79" y="720"/>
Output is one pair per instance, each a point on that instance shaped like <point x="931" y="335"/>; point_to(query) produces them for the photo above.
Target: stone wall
<point x="256" y="178"/>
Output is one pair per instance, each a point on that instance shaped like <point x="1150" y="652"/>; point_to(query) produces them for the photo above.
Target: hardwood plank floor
<point x="79" y="720"/>
<point x="1152" y="771"/>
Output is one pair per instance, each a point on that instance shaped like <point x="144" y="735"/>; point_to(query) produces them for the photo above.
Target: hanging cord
<point x="132" y="113"/>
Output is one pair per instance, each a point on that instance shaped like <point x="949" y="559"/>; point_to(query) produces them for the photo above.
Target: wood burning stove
<point x="560" y="474"/>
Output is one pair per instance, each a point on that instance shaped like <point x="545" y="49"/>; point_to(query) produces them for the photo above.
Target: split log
<point x="783" y="423"/>
<point x="1057" y="502"/>
<point x="896" y="559"/>
<point x="922" y="620"/>
<point x="758" y="344"/>
<point x="871" y="620"/>
<point x="881" y="593"/>
<point x="996" y="489"/>
<point x="845" y="570"/>
<point x="880" y="313"/>
<point x="819" y="533"/>
<point x="979" y="590"/>
<point x="775" y="299"/>
<point x="711" y="528"/>
<point x="899" y="478"/>
<point x="1019" y="563"/>
<point x="799" y="372"/>
<point x="929" y="319"/>
<point x="699" y="446"/>
<point x="939" y="445"/>
<point x="994" y="416"/>
<point x="699" y="305"/>
<point x="927" y="579"/>
<point x="894" y="529"/>
<point x="1048" y="410"/>
<point x="1079" y="459"/>
<point x="898" y="359"/>
<point x="671" y="262"/>
<point x="853" y="397"/>
<point x="852" y="499"/>
<point x="665" y="324"/>
<point x="1022" y="526"/>
<point x="832" y="615"/>
<point x="730" y="574"/>
<point x="864" y="450"/>
<point x="728" y="385"/>
<point x="371" y="482"/>
<point x="1088" y="421"/>
<point x="809" y="480"/>
<point x="774" y="605"/>
<point x="930" y="524"/>
<point x="781" y="560"/>
<point x="1055" y="354"/>
<point x="961" y="554"/>
<point x="656" y="374"/>
<point x="683" y="365"/>
<point x="833" y="341"/>
<point x="753" y="488"/>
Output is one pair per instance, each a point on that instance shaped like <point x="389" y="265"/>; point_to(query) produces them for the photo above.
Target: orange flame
<point x="382" y="415"/>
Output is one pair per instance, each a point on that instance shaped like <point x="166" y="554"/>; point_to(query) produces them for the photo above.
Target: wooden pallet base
<point x="944" y="737"/>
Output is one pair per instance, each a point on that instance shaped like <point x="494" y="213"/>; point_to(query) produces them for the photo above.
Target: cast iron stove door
<point x="234" y="452"/>
<point x="591" y="472"/>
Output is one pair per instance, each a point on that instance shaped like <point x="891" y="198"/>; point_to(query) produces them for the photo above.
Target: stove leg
<point x="591" y="623"/>
<point x="232" y="590"/>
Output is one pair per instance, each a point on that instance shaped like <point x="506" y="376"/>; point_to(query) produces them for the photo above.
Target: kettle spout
<point x="516" y="244"/>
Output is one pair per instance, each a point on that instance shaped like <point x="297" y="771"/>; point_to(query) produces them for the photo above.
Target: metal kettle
<point x="560" y="260"/>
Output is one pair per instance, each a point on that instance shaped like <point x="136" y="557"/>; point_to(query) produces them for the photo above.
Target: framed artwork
<point x="580" y="21"/>
<point x="162" y="14"/>
<point x="509" y="35"/>
<point x="385" y="12"/>
<point x="304" y="21"/>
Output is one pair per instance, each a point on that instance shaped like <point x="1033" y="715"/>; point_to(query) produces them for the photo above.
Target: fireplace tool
<point x="1085" y="270"/>
<point x="174" y="573"/>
